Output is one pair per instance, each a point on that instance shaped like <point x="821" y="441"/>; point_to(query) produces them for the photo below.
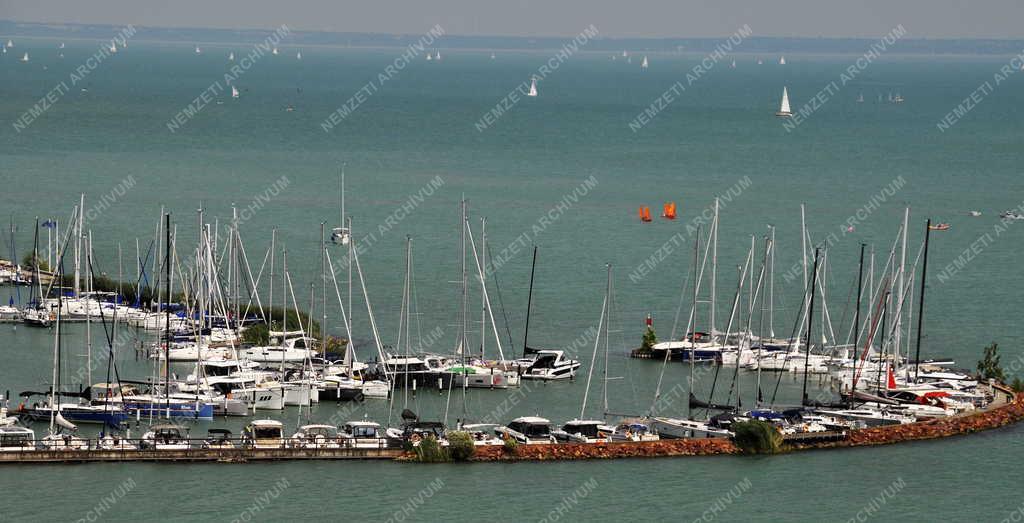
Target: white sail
<point x="782" y="60"/>
<point x="5" y="49"/>
<point x="298" y="55"/>
<point x="784" y="109"/>
<point x="24" y="58"/>
<point x="113" y="47"/>
<point x="274" y="51"/>
<point x="231" y="56"/>
<point x="644" y="63"/>
<point x="533" y="88"/>
<point x="61" y="45"/>
<point x="430" y="57"/>
<point x="234" y="92"/>
<point x="59" y="419"/>
<point x="492" y="56"/>
<point x="10" y="43"/>
<point x="733" y="65"/>
<point x="437" y="56"/>
<point x="198" y="50"/>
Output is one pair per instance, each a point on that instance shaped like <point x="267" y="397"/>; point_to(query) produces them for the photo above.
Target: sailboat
<point x="760" y="61"/>
<point x="430" y="57"/>
<point x="492" y="56"/>
<point x="784" y="110"/>
<point x="644" y="63"/>
<point x="860" y="99"/>
<point x="61" y="45"/>
<point x="782" y="60"/>
<point x="231" y="56"/>
<point x="437" y="56"/>
<point x="298" y="55"/>
<point x="669" y="211"/>
<point x="274" y="51"/>
<point x="533" y="87"/>
<point x="645" y="214"/>
<point x="198" y="50"/>
<point x="234" y="92"/>
<point x="4" y="49"/>
<point x="113" y="47"/>
<point x="733" y="65"/>
<point x="24" y="58"/>
<point x="10" y="43"/>
<point x="343" y="234"/>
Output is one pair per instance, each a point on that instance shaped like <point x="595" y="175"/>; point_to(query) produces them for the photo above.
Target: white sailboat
<point x="492" y="56"/>
<point x="234" y="92"/>
<point x="24" y="58"/>
<point x="342" y="235"/>
<point x="644" y="64"/>
<point x="4" y="49"/>
<point x="113" y="47"/>
<point x="298" y="55"/>
<point x="437" y="56"/>
<point x="782" y="60"/>
<point x="733" y="65"/>
<point x="533" y="87"/>
<point x="860" y="99"/>
<point x="198" y="50"/>
<point x="231" y="56"/>
<point x="784" y="110"/>
<point x="274" y="51"/>
<point x="10" y="43"/>
<point x="61" y="45"/>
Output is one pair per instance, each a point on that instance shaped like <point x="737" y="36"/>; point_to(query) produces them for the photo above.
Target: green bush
<point x="1017" y="385"/>
<point x="649" y="340"/>
<point x="757" y="437"/>
<point x="510" y="445"/>
<point x="460" y="445"/>
<point x="430" y="451"/>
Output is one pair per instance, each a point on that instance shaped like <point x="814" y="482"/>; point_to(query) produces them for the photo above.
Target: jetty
<point x="235" y="455"/>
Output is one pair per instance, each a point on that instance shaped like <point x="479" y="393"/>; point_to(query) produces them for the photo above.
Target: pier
<point x="236" y="455"/>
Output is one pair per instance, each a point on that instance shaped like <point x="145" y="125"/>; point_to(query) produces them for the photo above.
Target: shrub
<point x="430" y="451"/>
<point x="510" y="445"/>
<point x="649" y="340"/>
<point x="460" y="445"/>
<point x="757" y="437"/>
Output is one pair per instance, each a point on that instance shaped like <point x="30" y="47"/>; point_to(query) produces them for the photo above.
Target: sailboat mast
<point x="529" y="301"/>
<point x="920" y="307"/>
<point x="810" y="317"/>
<point x="607" y="340"/>
<point x="483" y="285"/>
<point x="167" y="312"/>
<point x="856" y="314"/>
<point x="693" y="322"/>
<point x="597" y="343"/>
<point x="714" y="270"/>
<point x="463" y="345"/>
<point x="323" y="282"/>
<point x="88" y="310"/>
<point x="343" y="198"/>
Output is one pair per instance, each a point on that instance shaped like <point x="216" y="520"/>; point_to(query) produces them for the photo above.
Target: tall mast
<point x="856" y="314"/>
<point x="920" y="307"/>
<point x="529" y="301"/>
<point x="771" y="290"/>
<point x="483" y="285"/>
<point x="167" y="313"/>
<point x="693" y="319"/>
<point x="343" y="199"/>
<point x="607" y="341"/>
<point x="714" y="270"/>
<point x="78" y="243"/>
<point x="270" y="302"/>
<point x="899" y="296"/>
<point x="803" y="243"/>
<point x="323" y="281"/>
<point x="597" y="343"/>
<point x="88" y="310"/>
<point x="810" y="316"/>
<point x="463" y="345"/>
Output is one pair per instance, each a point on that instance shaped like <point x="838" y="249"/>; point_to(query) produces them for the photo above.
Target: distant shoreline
<point x="764" y="45"/>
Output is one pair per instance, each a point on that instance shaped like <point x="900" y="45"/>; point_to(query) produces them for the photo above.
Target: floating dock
<point x="236" y="455"/>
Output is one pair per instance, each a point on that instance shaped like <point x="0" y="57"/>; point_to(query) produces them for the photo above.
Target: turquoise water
<point x="420" y="125"/>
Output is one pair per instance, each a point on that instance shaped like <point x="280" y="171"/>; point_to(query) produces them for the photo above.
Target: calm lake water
<point x="563" y="171"/>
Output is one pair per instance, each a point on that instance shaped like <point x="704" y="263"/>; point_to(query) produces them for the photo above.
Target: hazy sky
<point x="613" y="18"/>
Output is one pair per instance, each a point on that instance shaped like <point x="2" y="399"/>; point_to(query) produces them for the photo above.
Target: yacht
<point x="581" y="431"/>
<point x="673" y="428"/>
<point x="528" y="430"/>
<point x="483" y="434"/>
<point x="264" y="434"/>
<point x="15" y="439"/>
<point x="218" y="439"/>
<point x="292" y="350"/>
<point x="164" y="437"/>
<point x="316" y="437"/>
<point x="548" y="365"/>
<point x="362" y="435"/>
<point x="784" y="109"/>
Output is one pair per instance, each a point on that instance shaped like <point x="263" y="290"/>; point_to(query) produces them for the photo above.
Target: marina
<point x="740" y="304"/>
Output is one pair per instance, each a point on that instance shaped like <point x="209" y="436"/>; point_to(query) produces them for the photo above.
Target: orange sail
<point x="645" y="214"/>
<point x="669" y="211"/>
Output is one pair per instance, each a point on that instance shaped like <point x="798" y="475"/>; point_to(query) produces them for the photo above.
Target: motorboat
<point x="581" y="431"/>
<point x="218" y="439"/>
<point x="675" y="428"/>
<point x="165" y="437"/>
<point x="14" y="439"/>
<point x="528" y="430"/>
<point x="482" y="434"/>
<point x="362" y="435"/>
<point x="316" y="437"/>
<point x="264" y="434"/>
<point x="548" y="365"/>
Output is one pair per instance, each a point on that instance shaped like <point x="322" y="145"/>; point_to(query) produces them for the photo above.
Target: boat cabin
<point x="265" y="434"/>
<point x="528" y="429"/>
<point x="17" y="439"/>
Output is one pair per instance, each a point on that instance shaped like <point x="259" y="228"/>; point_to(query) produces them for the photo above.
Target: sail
<point x="785" y="102"/>
<point x="644" y="64"/>
<point x="59" y="419"/>
<point x="782" y="60"/>
<point x="533" y="88"/>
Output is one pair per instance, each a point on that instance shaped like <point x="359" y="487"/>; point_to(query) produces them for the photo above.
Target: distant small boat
<point x="492" y="56"/>
<point x="290" y="108"/>
<point x="533" y="87"/>
<point x="645" y="214"/>
<point x="430" y="57"/>
<point x="231" y="56"/>
<point x="760" y="61"/>
<point x="198" y="50"/>
<point x="939" y="227"/>
<point x="5" y="49"/>
<point x="298" y="55"/>
<point x="10" y="43"/>
<point x="644" y="64"/>
<point x="234" y="92"/>
<point x="784" y="110"/>
<point x="860" y="99"/>
<point x="898" y="99"/>
<point x="437" y="56"/>
<point x="61" y="45"/>
<point x="624" y="54"/>
<point x="782" y="60"/>
<point x="733" y="64"/>
<point x="113" y="47"/>
<point x="274" y="51"/>
<point x="24" y="58"/>
<point x="669" y="211"/>
<point x="974" y="213"/>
